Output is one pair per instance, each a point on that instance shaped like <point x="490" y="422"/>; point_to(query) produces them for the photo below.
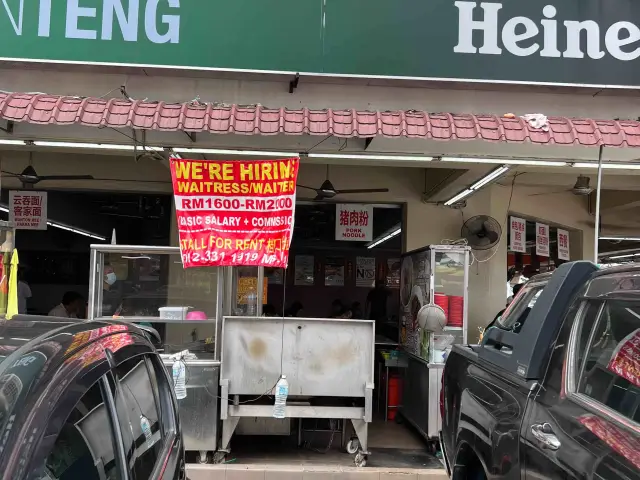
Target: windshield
<point x="517" y="312"/>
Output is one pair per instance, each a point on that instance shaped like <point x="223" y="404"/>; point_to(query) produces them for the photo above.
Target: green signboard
<point x="584" y="42"/>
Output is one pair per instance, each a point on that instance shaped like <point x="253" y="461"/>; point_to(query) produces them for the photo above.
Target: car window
<point x="610" y="367"/>
<point x="138" y="416"/>
<point x="85" y="446"/>
<point x="515" y="315"/>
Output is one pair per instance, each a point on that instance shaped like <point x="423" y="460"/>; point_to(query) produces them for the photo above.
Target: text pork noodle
<point x="235" y="212"/>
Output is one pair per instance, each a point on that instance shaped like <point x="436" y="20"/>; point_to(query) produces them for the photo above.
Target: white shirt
<point x="24" y="292"/>
<point x="60" y="311"/>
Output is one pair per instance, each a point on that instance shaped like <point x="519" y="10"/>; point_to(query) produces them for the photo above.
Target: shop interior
<point x="326" y="278"/>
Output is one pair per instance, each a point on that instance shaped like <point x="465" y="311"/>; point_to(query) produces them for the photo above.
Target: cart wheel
<point x="218" y="457"/>
<point x="352" y="446"/>
<point x="399" y="420"/>
<point x="203" y="457"/>
<point x="433" y="447"/>
<point x="360" y="460"/>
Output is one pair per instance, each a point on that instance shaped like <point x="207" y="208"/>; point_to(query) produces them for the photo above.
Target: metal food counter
<point x="328" y="363"/>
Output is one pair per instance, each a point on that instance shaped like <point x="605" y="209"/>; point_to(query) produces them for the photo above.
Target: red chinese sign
<point x="625" y="360"/>
<point x="354" y="222"/>
<point x="563" y="245"/>
<point x="28" y="210"/>
<point x="542" y="240"/>
<point x="518" y="235"/>
<point x="235" y="212"/>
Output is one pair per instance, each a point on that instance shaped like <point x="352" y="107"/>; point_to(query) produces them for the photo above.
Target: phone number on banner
<point x="209" y="257"/>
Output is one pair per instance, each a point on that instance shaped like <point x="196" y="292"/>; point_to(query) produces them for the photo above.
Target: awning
<point x="258" y="120"/>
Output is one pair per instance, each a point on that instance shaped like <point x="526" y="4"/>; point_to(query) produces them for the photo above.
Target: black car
<point x="85" y="400"/>
<point x="553" y="391"/>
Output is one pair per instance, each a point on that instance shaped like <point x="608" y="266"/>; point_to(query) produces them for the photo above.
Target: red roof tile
<point x="259" y="120"/>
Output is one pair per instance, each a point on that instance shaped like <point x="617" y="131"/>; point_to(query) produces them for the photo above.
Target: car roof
<point x="25" y="333"/>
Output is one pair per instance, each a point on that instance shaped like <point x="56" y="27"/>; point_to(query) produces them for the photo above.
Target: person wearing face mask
<point x="111" y="294"/>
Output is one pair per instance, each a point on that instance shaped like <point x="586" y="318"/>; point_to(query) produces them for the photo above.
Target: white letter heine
<point x="488" y="26"/>
<point x="574" y="30"/>
<point x="171" y="21"/>
<point x="510" y="38"/>
<point x="550" y="30"/>
<point x="613" y="41"/>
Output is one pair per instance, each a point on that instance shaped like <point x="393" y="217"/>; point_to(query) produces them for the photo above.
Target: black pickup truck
<point x="553" y="391"/>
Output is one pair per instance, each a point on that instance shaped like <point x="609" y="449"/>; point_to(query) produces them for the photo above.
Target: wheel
<point x="360" y="460"/>
<point x="352" y="446"/>
<point x="202" y="457"/>
<point x="219" y="457"/>
<point x="398" y="419"/>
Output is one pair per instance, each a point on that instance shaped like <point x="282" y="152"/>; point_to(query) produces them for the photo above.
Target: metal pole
<point x="598" y="189"/>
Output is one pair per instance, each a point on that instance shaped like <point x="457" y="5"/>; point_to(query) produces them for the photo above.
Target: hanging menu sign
<point x="28" y="210"/>
<point x="542" y="240"/>
<point x="517" y="234"/>
<point x="234" y="213"/>
<point x="563" y="245"/>
<point x="354" y="222"/>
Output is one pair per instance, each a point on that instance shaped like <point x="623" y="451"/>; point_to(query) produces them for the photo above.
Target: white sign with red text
<point x="354" y="222"/>
<point x="28" y="210"/>
<point x="518" y="235"/>
<point x="542" y="240"/>
<point x="563" y="245"/>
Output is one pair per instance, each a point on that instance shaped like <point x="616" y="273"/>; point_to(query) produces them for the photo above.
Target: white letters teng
<point x="133" y="18"/>
<point x="523" y="37"/>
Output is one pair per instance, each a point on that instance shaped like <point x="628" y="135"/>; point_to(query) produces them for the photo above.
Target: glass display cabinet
<point x="437" y="274"/>
<point x="148" y="285"/>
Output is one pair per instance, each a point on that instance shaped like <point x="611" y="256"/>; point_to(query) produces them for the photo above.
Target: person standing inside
<point x="376" y="304"/>
<point x="111" y="292"/>
<point x="71" y="307"/>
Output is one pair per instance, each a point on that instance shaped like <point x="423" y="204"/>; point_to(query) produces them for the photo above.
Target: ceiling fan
<point x="29" y="177"/>
<point x="327" y="191"/>
<point x="581" y="188"/>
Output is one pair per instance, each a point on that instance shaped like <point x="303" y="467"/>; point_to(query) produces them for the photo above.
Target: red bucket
<point x="394" y="396"/>
<point x="456" y="311"/>
<point x="442" y="301"/>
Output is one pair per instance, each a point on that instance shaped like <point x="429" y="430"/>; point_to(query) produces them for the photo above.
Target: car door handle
<point x="544" y="434"/>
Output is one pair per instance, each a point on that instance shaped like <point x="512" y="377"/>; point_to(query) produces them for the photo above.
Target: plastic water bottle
<point x="179" y="379"/>
<point x="282" y="392"/>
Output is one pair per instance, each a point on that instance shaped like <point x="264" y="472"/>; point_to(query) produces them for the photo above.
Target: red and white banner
<point x="563" y="245"/>
<point x="235" y="212"/>
<point x="624" y="443"/>
<point x="542" y="240"/>
<point x="625" y="360"/>
<point x="518" y="235"/>
<point x="354" y="222"/>
<point x="28" y="210"/>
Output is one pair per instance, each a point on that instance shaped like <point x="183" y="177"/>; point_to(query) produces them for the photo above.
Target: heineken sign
<point x="577" y="42"/>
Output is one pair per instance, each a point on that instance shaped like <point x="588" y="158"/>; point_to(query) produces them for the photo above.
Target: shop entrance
<point x="55" y="261"/>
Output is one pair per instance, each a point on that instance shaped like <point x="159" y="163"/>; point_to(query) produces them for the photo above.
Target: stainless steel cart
<point x="328" y="364"/>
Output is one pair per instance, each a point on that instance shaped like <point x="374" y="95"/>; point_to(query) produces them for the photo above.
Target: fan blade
<point x="4" y="172"/>
<point x="363" y="190"/>
<point x="65" y="177"/>
<point x="492" y="236"/>
<point x="549" y="193"/>
<point x="308" y="188"/>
